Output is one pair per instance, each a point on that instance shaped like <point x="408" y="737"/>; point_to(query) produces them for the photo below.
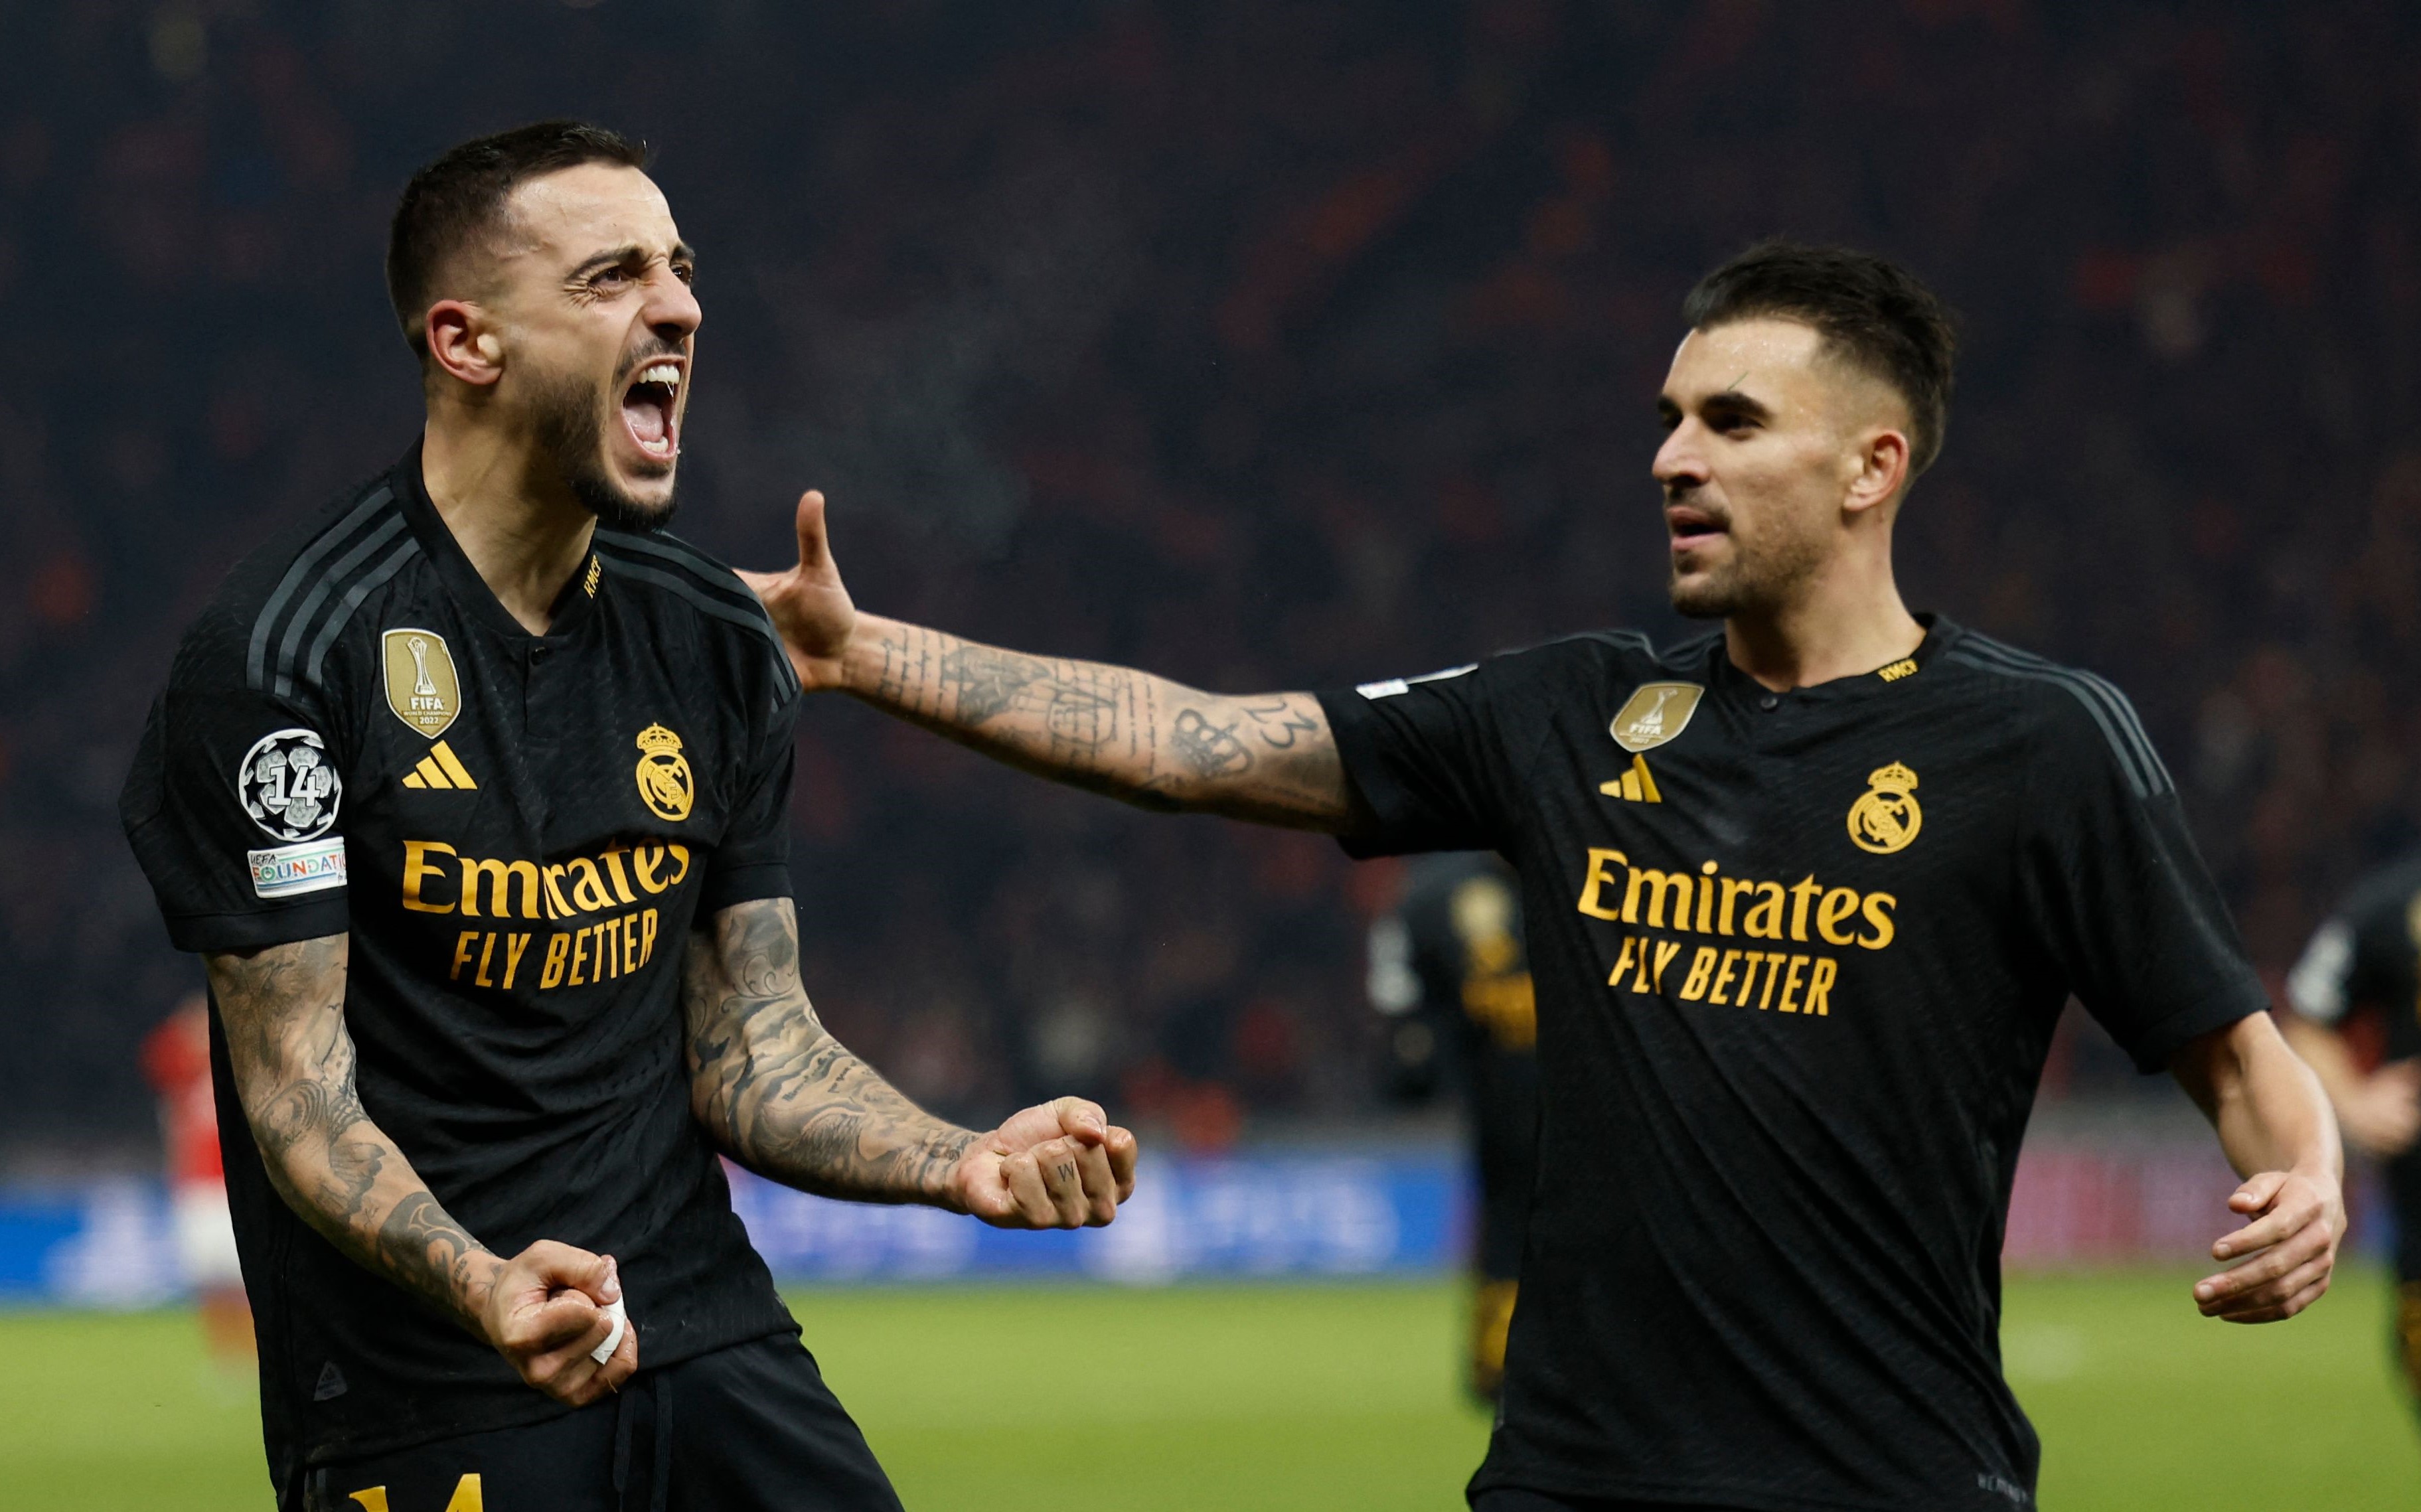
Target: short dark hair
<point x="462" y="197"/>
<point x="1873" y="314"/>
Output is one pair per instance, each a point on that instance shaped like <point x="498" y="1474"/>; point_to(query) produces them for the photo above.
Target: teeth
<point x="662" y="372"/>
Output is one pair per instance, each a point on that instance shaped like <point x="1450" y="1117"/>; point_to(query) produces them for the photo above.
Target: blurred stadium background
<point x="1263" y="344"/>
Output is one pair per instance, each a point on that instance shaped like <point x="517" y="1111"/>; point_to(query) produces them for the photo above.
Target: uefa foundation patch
<point x="298" y="868"/>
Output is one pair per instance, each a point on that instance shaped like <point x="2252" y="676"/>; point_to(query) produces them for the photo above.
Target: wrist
<point x="860" y="658"/>
<point x="941" y="1171"/>
<point x="473" y="1279"/>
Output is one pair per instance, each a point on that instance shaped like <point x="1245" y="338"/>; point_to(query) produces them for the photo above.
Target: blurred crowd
<point x="1260" y="344"/>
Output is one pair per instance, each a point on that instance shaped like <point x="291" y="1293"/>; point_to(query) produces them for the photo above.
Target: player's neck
<point x="523" y="530"/>
<point x="1845" y="624"/>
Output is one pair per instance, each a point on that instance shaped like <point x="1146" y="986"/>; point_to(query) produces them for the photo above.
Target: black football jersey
<point x="517" y="833"/>
<point x="1798" y="956"/>
<point x="1451" y="952"/>
<point x="2365" y="957"/>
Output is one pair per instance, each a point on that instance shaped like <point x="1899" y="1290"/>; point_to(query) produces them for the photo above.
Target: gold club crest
<point x="1886" y="817"/>
<point x="421" y="686"/>
<point x="664" y="783"/>
<point x="1654" y="714"/>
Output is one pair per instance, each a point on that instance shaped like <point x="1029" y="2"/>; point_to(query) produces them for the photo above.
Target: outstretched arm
<point x="1266" y="757"/>
<point x="2273" y="1122"/>
<point x="284" y="1012"/>
<point x="782" y="1096"/>
<point x="2378" y="1111"/>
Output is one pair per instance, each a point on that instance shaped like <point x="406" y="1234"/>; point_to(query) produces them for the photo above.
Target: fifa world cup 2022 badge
<point x="288" y="787"/>
<point x="665" y="782"/>
<point x="1886" y="817"/>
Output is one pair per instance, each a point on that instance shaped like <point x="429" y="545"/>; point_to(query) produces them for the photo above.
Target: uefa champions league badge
<point x="288" y="787"/>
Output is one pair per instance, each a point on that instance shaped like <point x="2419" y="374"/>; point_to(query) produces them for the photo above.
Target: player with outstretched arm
<point x="473" y="795"/>
<point x="1805" y="895"/>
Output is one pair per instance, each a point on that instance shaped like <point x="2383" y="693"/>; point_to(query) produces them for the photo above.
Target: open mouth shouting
<point x="652" y="408"/>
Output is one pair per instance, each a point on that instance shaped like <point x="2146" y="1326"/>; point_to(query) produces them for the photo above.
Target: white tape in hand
<point x="621" y="1317"/>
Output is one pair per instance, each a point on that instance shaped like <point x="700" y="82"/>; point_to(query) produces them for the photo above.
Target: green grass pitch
<point x="1277" y="1398"/>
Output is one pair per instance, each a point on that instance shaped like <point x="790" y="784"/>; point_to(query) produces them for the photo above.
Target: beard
<point x="1757" y="577"/>
<point x="567" y="414"/>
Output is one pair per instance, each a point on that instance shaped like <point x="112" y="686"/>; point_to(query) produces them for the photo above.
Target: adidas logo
<point x="439" y="769"/>
<point x="1635" y="785"/>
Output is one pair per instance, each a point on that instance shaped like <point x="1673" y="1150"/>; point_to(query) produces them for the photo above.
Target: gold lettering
<point x="1661" y="886"/>
<point x="1804" y="889"/>
<point x="1772" y="969"/>
<point x="1749" y="961"/>
<point x="1790" y="983"/>
<point x="1622" y="962"/>
<point x="467" y="1497"/>
<point x="1723" y="979"/>
<point x="1733" y="888"/>
<point x="487" y="949"/>
<point x="588" y="886"/>
<point x="462" y="954"/>
<point x="1706" y="900"/>
<point x="1589" y="889"/>
<point x="373" y="1498"/>
<point x="579" y="955"/>
<point x="1665" y="951"/>
<point x="415" y="869"/>
<point x="1837" y="905"/>
<point x="1764" y="921"/>
<point x="559" y="946"/>
<point x="557" y="906"/>
<point x="613" y="854"/>
<point x="680" y="853"/>
<point x="1878" y="911"/>
<point x="1639" y="978"/>
<point x="631" y="961"/>
<point x="500" y="876"/>
<point x="1819" y="985"/>
<point x="515" y="946"/>
<point x="646" y="937"/>
<point x="1694" y="986"/>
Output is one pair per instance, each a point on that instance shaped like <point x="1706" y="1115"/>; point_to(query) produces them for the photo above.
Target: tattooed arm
<point x="778" y="1094"/>
<point x="1267" y="757"/>
<point x="283" y="1009"/>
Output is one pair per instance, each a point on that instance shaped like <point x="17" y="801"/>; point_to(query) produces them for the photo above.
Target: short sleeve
<point x="1424" y="757"/>
<point x="752" y="860"/>
<point x="2115" y="887"/>
<point x="235" y="810"/>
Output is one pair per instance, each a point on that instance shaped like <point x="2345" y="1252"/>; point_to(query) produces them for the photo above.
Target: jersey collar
<point x="571" y="608"/>
<point x="1939" y="632"/>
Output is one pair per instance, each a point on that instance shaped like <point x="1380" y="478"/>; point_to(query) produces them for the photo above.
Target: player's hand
<point x="810" y="604"/>
<point x="2285" y="1254"/>
<point x="545" y="1311"/>
<point x="2384" y="1115"/>
<point x="1061" y="1164"/>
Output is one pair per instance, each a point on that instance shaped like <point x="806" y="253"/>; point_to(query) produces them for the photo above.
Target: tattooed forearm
<point x="1146" y="740"/>
<point x="778" y="1093"/>
<point x="284" y="1013"/>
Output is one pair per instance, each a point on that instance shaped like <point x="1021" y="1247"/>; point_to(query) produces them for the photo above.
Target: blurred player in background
<point x="1791" y="1009"/>
<point x="1448" y="972"/>
<point x="2356" y="993"/>
<point x="473" y="793"/>
<point x="176" y="1063"/>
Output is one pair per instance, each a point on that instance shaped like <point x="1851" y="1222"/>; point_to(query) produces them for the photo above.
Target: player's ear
<point x="463" y="344"/>
<point x="1882" y="469"/>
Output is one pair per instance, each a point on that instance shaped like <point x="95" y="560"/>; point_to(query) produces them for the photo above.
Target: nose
<point x="1680" y="463"/>
<point x="672" y="310"/>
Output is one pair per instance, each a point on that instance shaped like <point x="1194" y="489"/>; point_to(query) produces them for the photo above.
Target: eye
<point x="686" y="271"/>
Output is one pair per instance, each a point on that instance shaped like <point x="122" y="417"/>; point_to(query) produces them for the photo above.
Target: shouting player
<point x="2360" y="978"/>
<point x="472" y="793"/>
<point x="1447" y="967"/>
<point x="1804" y="895"/>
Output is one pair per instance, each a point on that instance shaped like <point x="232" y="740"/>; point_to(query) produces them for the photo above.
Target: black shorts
<point x="749" y="1428"/>
<point x="1513" y="1499"/>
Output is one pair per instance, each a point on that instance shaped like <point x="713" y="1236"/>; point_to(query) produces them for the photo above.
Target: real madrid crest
<point x="664" y="783"/>
<point x="1654" y="714"/>
<point x="1886" y="817"/>
<point x="421" y="686"/>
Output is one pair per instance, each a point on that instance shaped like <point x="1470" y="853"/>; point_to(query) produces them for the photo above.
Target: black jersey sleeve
<point x="753" y="859"/>
<point x="2116" y="890"/>
<point x="1424" y="757"/>
<point x="235" y="803"/>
